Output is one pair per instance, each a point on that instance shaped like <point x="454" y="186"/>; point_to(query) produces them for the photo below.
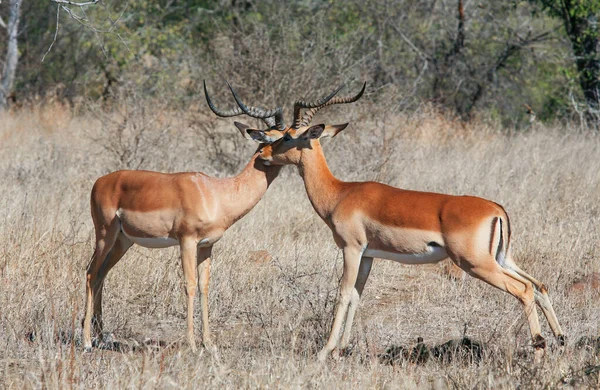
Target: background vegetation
<point x="462" y="57"/>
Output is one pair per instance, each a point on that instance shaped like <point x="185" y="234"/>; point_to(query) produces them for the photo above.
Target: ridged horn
<point x="308" y="115"/>
<point x="273" y="118"/>
<point x="300" y="104"/>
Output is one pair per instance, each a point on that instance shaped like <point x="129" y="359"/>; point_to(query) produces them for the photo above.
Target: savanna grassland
<point x="275" y="273"/>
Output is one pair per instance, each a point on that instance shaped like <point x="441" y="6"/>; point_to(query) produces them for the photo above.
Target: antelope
<point x="188" y="209"/>
<point x="373" y="220"/>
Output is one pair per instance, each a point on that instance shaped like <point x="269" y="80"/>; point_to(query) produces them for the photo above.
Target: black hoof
<point x="539" y="342"/>
<point x="561" y="340"/>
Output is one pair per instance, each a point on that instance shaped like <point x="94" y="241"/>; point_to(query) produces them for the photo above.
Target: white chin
<point x="267" y="163"/>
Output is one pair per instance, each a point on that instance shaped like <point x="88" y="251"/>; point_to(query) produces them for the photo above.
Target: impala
<point x="373" y="220"/>
<point x="189" y="209"/>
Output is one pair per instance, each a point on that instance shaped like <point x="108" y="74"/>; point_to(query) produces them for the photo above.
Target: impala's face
<point x="286" y="146"/>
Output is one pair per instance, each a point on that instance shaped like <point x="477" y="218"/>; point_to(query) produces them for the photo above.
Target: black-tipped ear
<point x="261" y="136"/>
<point x="242" y="128"/>
<point x="333" y="130"/>
<point x="314" y="132"/>
<point x="258" y="136"/>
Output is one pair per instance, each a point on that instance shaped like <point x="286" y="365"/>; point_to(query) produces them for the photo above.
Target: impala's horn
<point x="272" y="118"/>
<point x="300" y="104"/>
<point x="308" y="115"/>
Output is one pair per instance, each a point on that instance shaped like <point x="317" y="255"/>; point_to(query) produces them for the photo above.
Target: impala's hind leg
<point x="106" y="236"/>
<point x="542" y="299"/>
<point x="492" y="273"/>
<point x="122" y="244"/>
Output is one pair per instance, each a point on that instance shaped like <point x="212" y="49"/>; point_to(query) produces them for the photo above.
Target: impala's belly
<point x="148" y="229"/>
<point x="153" y="242"/>
<point x="433" y="254"/>
<point x="155" y="229"/>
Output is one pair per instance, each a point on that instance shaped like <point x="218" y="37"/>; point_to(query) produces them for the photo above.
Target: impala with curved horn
<point x="157" y="210"/>
<point x="370" y="219"/>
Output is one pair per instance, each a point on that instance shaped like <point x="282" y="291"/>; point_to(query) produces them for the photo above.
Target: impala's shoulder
<point x="190" y="175"/>
<point x="195" y="181"/>
<point x="131" y="174"/>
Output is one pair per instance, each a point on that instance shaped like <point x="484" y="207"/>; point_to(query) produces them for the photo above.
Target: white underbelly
<point x="433" y="254"/>
<point x="154" y="242"/>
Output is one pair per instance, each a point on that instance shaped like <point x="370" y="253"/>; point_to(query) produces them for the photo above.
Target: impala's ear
<point x="333" y="130"/>
<point x="313" y="132"/>
<point x="264" y="136"/>
<point x="242" y="128"/>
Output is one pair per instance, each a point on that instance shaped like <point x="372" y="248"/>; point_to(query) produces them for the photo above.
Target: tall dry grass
<point x="270" y="317"/>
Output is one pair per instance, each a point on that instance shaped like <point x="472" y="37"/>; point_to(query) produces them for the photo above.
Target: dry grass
<point x="271" y="313"/>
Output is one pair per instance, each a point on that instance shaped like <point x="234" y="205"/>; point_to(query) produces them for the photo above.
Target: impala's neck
<point x="245" y="190"/>
<point x="322" y="187"/>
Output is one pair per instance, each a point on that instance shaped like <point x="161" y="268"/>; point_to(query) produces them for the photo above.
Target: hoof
<point x="561" y="340"/>
<point x="539" y="342"/>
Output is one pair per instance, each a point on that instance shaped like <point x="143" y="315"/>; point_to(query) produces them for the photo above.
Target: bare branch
<point x="83" y="20"/>
<point x="421" y="54"/>
<point x="67" y="2"/>
<point x="55" y="33"/>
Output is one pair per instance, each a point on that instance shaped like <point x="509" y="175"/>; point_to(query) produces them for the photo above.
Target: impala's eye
<point x="287" y="138"/>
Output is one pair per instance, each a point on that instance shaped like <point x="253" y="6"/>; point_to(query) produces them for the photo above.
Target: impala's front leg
<point x="351" y="264"/>
<point x="204" y="254"/>
<point x="188" y="261"/>
<point x="361" y="280"/>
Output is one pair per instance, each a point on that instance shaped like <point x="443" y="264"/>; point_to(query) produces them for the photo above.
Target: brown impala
<point x="190" y="209"/>
<point x="371" y="219"/>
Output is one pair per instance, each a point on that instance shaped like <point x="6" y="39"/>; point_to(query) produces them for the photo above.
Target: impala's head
<point x="288" y="148"/>
<point x="280" y="144"/>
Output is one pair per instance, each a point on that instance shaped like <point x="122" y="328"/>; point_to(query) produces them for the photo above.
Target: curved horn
<point x="308" y="115"/>
<point x="273" y="118"/>
<point x="300" y="104"/>
<point x="222" y="113"/>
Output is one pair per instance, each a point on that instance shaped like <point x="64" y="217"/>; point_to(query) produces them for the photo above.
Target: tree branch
<point x="420" y="53"/>
<point x="67" y="2"/>
<point x="55" y="34"/>
<point x="459" y="42"/>
<point x="2" y="24"/>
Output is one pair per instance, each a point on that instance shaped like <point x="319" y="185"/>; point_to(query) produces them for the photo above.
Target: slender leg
<point x="188" y="261"/>
<point x="363" y="274"/>
<point x="491" y="273"/>
<point x="204" y="276"/>
<point x="351" y="265"/>
<point x="543" y="301"/>
<point x="105" y="240"/>
<point x="121" y="246"/>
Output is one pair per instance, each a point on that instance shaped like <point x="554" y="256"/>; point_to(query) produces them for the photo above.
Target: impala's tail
<point x="500" y="240"/>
